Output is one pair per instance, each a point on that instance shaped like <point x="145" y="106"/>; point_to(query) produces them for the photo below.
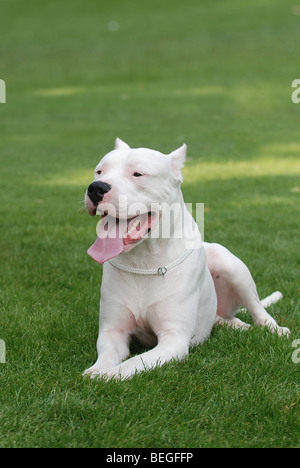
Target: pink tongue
<point x="109" y="242"/>
<point x="105" y="249"/>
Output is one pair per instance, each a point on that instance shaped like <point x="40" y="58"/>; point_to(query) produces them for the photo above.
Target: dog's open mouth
<point x="116" y="235"/>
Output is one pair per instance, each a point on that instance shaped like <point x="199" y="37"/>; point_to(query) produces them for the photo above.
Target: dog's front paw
<point x="114" y="373"/>
<point x="96" y="369"/>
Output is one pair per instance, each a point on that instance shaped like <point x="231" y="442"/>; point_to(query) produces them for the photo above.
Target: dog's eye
<point x="137" y="174"/>
<point x="98" y="172"/>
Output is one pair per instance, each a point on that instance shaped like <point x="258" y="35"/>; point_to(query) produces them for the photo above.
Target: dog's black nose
<point x="97" y="190"/>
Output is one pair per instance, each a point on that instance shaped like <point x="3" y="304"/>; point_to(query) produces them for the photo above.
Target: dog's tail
<point x="272" y="299"/>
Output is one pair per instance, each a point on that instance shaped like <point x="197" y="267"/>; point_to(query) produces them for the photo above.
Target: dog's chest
<point x="143" y="301"/>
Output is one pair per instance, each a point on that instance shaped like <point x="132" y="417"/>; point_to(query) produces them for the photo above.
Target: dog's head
<point x="129" y="188"/>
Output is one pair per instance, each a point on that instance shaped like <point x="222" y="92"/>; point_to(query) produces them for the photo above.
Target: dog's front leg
<point x="114" y="335"/>
<point x="112" y="347"/>
<point x="171" y="345"/>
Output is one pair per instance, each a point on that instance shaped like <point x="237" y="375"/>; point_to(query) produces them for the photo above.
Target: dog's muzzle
<point x="97" y="190"/>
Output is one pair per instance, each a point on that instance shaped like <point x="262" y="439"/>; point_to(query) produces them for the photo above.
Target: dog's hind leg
<point x="233" y="323"/>
<point x="236" y="288"/>
<point x="250" y="301"/>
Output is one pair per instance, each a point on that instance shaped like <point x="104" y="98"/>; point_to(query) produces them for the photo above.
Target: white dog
<point x="168" y="290"/>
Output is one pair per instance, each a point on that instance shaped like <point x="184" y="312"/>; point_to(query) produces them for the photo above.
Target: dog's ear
<point x="119" y="144"/>
<point x="177" y="161"/>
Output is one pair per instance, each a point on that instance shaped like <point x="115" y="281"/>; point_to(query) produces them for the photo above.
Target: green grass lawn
<point x="215" y="75"/>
